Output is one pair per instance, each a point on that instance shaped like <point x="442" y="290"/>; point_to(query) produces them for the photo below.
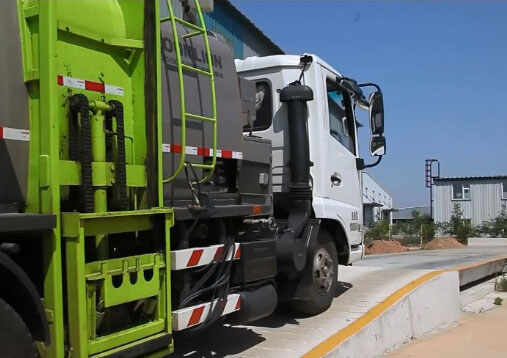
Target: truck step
<point x="200" y="256"/>
<point x="192" y="316"/>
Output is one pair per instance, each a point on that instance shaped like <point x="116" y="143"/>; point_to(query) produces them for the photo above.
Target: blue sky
<point x="442" y="67"/>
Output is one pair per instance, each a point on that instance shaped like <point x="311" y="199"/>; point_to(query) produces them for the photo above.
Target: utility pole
<point x="429" y="177"/>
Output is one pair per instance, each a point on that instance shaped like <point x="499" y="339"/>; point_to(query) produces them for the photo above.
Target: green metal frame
<point x="86" y="280"/>
<point x="198" y="30"/>
<point x="91" y="40"/>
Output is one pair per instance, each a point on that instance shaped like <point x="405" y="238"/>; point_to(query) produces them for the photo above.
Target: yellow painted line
<point x="336" y="339"/>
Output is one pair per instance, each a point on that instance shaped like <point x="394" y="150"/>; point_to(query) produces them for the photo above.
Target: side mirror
<point x="377" y="113"/>
<point x="378" y="146"/>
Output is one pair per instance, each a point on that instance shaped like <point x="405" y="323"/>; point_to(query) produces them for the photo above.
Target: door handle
<point x="336" y="180"/>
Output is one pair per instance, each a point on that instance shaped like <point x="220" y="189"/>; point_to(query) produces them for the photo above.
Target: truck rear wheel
<point x="324" y="272"/>
<point x="15" y="338"/>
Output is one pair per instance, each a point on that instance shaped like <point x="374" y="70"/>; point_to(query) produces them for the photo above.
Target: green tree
<point x="496" y="227"/>
<point x="419" y="224"/>
<point x="457" y="226"/>
<point x="422" y="224"/>
<point x="379" y="230"/>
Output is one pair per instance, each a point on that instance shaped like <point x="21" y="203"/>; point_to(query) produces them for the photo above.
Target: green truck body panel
<point x="106" y="50"/>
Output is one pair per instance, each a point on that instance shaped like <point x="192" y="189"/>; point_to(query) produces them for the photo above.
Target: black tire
<point x="319" y="297"/>
<point x="15" y="338"/>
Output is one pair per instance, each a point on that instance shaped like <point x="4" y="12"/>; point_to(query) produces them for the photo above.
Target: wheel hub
<point x="323" y="272"/>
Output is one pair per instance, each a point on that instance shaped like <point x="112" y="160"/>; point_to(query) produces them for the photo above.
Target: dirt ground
<point x="384" y="247"/>
<point x="443" y="243"/>
<point x="476" y="335"/>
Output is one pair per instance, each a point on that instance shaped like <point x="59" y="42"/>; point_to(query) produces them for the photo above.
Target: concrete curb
<point x="429" y="302"/>
<point x="487" y="241"/>
<point x="432" y="305"/>
<point x="480" y="270"/>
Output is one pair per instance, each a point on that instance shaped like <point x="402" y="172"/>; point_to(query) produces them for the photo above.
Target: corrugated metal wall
<point x="485" y="201"/>
<point x="223" y="23"/>
<point x="235" y="31"/>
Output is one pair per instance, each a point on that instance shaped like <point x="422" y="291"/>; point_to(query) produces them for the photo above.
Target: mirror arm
<point x="369" y="84"/>
<point x="360" y="163"/>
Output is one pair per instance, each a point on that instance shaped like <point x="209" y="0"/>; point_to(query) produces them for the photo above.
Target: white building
<point x="377" y="202"/>
<point x="481" y="198"/>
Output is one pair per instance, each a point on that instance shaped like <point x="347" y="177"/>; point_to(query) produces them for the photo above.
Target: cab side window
<point x="263" y="107"/>
<point x="341" y="126"/>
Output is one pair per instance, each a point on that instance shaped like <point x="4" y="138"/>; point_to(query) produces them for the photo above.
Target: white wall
<point x="485" y="201"/>
<point x="373" y="192"/>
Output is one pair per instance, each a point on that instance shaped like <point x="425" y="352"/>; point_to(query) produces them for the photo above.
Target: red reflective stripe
<point x="238" y="304"/>
<point x="1" y="132"/>
<point x="60" y="80"/>
<point x="195" y="318"/>
<point x="95" y="86"/>
<point x="237" y="255"/>
<point x="195" y="257"/>
<point x="218" y="254"/>
<point x="175" y="148"/>
<point x="203" y="151"/>
<point x="226" y="153"/>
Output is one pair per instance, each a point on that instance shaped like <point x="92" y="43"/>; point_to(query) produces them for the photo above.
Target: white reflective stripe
<point x="219" y="153"/>
<point x="237" y="155"/>
<point x="113" y="90"/>
<point x="15" y="134"/>
<point x="191" y="150"/>
<point x="73" y="82"/>
<point x="166" y="148"/>
<point x="195" y="315"/>
<point x="199" y="256"/>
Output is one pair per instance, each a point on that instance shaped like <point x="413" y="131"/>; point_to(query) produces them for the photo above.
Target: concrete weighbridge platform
<point x="382" y="302"/>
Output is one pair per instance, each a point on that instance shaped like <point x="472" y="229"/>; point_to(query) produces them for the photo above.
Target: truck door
<point x="343" y="179"/>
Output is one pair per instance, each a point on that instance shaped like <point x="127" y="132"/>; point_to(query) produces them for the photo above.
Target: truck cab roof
<point x="255" y="63"/>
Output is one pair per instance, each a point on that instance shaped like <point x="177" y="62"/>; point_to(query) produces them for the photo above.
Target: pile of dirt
<point x="384" y="247"/>
<point x="443" y="243"/>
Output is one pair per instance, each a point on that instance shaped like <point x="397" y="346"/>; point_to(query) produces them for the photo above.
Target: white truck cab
<point x="335" y="172"/>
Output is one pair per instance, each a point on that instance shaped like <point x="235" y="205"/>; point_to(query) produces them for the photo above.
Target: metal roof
<point x="253" y="27"/>
<point x="479" y="177"/>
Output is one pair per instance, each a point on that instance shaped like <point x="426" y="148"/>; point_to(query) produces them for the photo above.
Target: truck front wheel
<point x="15" y="338"/>
<point x="320" y="290"/>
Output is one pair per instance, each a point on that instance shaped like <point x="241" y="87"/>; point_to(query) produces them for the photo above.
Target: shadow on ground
<point x="220" y="340"/>
<point x="215" y="342"/>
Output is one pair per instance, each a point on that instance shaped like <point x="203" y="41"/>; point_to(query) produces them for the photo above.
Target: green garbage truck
<point x="137" y="191"/>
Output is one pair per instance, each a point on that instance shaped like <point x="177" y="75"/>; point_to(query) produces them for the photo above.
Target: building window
<point x="504" y="189"/>
<point x="263" y="107"/>
<point x="461" y="191"/>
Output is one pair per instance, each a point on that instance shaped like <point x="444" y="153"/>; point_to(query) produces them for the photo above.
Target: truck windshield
<point x="340" y="126"/>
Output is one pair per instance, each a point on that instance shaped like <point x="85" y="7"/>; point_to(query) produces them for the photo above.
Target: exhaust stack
<point x="291" y="248"/>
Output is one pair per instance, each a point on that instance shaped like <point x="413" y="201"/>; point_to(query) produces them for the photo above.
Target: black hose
<point x="220" y="293"/>
<point x="74" y="191"/>
<point x="80" y="106"/>
<point x="121" y="163"/>
<point x="222" y="279"/>
<point x="74" y="129"/>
